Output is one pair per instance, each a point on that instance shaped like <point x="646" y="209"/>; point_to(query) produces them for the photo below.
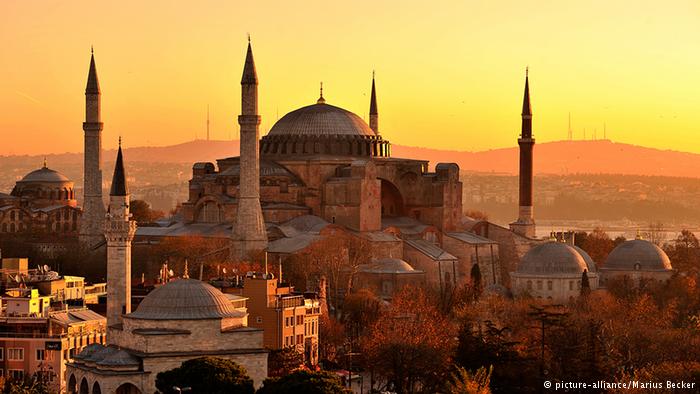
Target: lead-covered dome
<point x="185" y="299"/>
<point x="322" y="129"/>
<point x="552" y="258"/>
<point x="387" y="266"/>
<point x="320" y="119"/>
<point x="637" y="254"/>
<point x="44" y="175"/>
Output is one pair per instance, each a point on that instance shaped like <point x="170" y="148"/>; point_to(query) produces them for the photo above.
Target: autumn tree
<point x="360" y="310"/>
<point x="465" y="382"/>
<point x="210" y="375"/>
<point x="411" y="343"/>
<point x="284" y="361"/>
<point x="684" y="252"/>
<point x="598" y="245"/>
<point x="143" y="214"/>
<point x="306" y="382"/>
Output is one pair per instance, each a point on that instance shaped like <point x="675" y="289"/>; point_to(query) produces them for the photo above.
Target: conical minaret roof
<point x="527" y="109"/>
<point x="373" y="100"/>
<point x="250" y="76"/>
<point x="119" y="187"/>
<point x="93" y="83"/>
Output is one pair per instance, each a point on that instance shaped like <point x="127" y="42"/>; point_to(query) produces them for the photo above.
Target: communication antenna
<point x="207" y="122"/>
<point x="571" y="133"/>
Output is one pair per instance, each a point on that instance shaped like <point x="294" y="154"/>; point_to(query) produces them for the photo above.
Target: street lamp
<point x="182" y="390"/>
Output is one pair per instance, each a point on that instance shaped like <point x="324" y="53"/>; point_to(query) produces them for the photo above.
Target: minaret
<point x="525" y="225"/>
<point x="92" y="218"/>
<point x="373" y="113"/>
<point x="119" y="230"/>
<point x="249" y="232"/>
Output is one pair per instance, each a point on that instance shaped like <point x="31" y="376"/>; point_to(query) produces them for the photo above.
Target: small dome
<point x="44" y="175"/>
<point x="320" y="119"/>
<point x="387" y="266"/>
<point x="185" y="299"/>
<point x="637" y="254"/>
<point x="552" y="258"/>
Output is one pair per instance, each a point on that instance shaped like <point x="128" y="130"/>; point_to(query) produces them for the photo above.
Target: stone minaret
<point x="525" y="225"/>
<point x="249" y="232"/>
<point x="92" y="218"/>
<point x="373" y="113"/>
<point x="119" y="230"/>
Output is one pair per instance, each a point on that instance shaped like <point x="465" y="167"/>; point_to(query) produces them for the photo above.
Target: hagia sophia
<point x="320" y="171"/>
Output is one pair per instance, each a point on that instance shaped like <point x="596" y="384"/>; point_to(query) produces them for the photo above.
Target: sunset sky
<point x="450" y="74"/>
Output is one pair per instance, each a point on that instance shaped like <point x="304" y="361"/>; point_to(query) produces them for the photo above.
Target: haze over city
<point x="447" y="67"/>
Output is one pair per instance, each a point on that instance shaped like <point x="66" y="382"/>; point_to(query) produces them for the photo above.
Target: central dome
<point x="320" y="119"/>
<point x="185" y="299"/>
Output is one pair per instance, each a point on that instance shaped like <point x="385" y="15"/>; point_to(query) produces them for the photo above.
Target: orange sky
<point x="449" y="73"/>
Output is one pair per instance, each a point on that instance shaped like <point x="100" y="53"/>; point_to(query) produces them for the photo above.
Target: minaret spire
<point x="92" y="218"/>
<point x="119" y="231"/>
<point x="373" y="112"/>
<point x="525" y="225"/>
<point x="249" y="232"/>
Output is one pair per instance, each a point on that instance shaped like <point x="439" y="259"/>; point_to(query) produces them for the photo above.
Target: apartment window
<point x="313" y="327"/>
<point x="539" y="285"/>
<point x="2" y="353"/>
<point x="40" y="355"/>
<point x="300" y="339"/>
<point x="258" y="319"/>
<point x="16" y="374"/>
<point x="549" y="285"/>
<point x="15" y="354"/>
<point x="300" y="320"/>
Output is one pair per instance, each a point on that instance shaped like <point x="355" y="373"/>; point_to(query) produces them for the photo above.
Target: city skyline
<point x="456" y="70"/>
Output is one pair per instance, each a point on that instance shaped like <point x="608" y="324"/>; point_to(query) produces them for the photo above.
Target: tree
<point x="306" y="382"/>
<point x="143" y="214"/>
<point x="283" y="361"/>
<point x="207" y="375"/>
<point x="465" y="382"/>
<point x="598" y="245"/>
<point x="656" y="233"/>
<point x="585" y="284"/>
<point x="27" y="385"/>
<point x="684" y="253"/>
<point x="360" y="310"/>
<point x="410" y="344"/>
<point x="476" y="279"/>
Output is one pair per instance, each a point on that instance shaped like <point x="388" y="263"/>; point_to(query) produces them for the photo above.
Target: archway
<point x="84" y="389"/>
<point x="392" y="201"/>
<point x="128" y="388"/>
<point x="72" y="385"/>
<point x="96" y="388"/>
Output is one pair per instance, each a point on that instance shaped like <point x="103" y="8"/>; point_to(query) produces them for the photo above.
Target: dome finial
<point x="45" y="162"/>
<point x="321" y="100"/>
<point x="639" y="235"/>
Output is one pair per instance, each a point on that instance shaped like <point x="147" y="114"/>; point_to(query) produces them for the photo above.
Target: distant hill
<point x="560" y="157"/>
<point x="569" y="157"/>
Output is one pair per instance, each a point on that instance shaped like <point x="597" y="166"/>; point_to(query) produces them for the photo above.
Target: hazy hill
<point x="560" y="157"/>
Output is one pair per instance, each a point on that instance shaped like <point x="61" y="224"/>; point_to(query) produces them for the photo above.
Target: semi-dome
<point x="637" y="254"/>
<point x="552" y="258"/>
<point x="185" y="299"/>
<point x="44" y="175"/>
<point x="387" y="266"/>
<point x="320" y="119"/>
